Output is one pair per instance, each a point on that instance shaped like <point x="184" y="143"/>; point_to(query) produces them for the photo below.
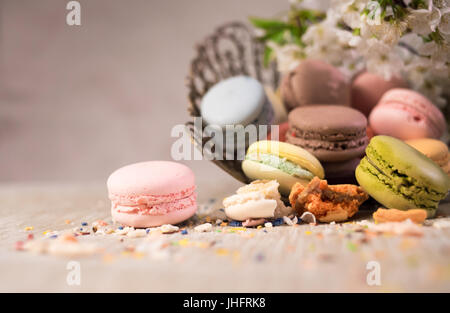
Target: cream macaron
<point x="283" y="162"/>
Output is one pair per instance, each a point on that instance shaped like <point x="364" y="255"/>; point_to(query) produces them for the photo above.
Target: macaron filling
<point x="281" y="164"/>
<point x="154" y="205"/>
<point x="400" y="183"/>
<point x="333" y="141"/>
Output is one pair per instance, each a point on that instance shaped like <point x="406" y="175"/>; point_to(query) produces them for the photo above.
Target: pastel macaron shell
<point x="332" y="133"/>
<point x="368" y="88"/>
<point x="255" y="170"/>
<point x="400" y="177"/>
<point x="152" y="193"/>
<point x="290" y="152"/>
<point x="314" y="82"/>
<point x="238" y="100"/>
<point x="435" y="149"/>
<point x="406" y="114"/>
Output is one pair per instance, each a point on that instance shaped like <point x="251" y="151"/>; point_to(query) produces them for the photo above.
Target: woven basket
<point x="231" y="50"/>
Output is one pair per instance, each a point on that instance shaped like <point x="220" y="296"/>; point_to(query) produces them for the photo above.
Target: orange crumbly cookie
<point x="327" y="202"/>
<point x="393" y="215"/>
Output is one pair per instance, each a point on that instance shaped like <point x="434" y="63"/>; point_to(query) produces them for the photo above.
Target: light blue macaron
<point x="239" y="100"/>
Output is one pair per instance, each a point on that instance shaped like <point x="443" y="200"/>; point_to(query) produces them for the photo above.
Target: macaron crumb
<point x="206" y="227"/>
<point x="383" y="215"/>
<point x="168" y="228"/>
<point x="136" y="233"/>
<point x="308" y="217"/>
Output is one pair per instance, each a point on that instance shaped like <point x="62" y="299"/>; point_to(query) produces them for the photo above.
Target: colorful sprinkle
<point x="260" y="257"/>
<point x="278" y="222"/>
<point x="184" y="232"/>
<point x="19" y="246"/>
<point x="28" y="228"/>
<point x="222" y="252"/>
<point x="352" y="247"/>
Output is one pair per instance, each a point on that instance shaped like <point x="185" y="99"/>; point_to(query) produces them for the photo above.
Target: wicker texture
<point x="231" y="50"/>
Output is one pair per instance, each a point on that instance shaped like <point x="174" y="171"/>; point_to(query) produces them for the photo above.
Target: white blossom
<point x="444" y="25"/>
<point x="357" y="34"/>
<point x="288" y="56"/>
<point x="424" y="21"/>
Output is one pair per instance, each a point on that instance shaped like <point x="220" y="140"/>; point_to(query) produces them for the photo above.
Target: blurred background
<point x="77" y="102"/>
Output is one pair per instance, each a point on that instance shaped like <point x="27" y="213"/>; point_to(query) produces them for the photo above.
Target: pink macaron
<point x="406" y="114"/>
<point x="368" y="88"/>
<point x="152" y="193"/>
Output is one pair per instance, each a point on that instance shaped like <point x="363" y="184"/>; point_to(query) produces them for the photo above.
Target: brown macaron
<point x="332" y="133"/>
<point x="313" y="82"/>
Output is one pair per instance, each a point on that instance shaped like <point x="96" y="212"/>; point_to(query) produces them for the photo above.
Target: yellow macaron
<point x="434" y="149"/>
<point x="286" y="163"/>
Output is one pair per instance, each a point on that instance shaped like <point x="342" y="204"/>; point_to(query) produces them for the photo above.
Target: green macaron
<point x="400" y="177"/>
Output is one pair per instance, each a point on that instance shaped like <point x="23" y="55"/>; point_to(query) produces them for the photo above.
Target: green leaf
<point x="267" y="24"/>
<point x="268" y="52"/>
<point x="275" y="36"/>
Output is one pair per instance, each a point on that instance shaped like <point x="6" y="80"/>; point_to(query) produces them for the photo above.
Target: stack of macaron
<point x="336" y="135"/>
<point x="367" y="131"/>
<point x="334" y="119"/>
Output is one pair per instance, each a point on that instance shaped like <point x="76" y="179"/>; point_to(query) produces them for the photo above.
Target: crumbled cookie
<point x="327" y="202"/>
<point x="393" y="215"/>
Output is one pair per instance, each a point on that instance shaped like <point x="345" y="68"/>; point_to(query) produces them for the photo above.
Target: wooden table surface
<point x="227" y="259"/>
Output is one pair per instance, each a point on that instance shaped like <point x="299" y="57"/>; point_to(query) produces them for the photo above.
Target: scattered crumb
<point x="203" y="228"/>
<point x="393" y="215"/>
<point x="136" y="233"/>
<point x="168" y="228"/>
<point x="440" y="224"/>
<point x="308" y="217"/>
